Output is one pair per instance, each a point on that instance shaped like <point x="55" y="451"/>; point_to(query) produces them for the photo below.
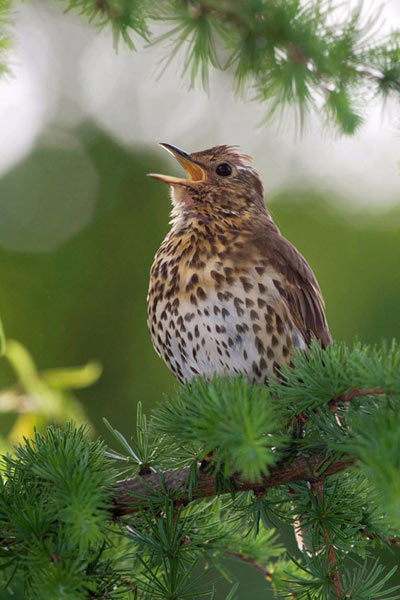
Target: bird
<point x="228" y="294"/>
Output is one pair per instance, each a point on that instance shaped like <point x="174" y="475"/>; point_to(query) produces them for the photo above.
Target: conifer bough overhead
<point x="75" y="527"/>
<point x="312" y="55"/>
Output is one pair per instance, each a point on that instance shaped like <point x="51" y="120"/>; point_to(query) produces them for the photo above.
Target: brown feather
<point x="301" y="290"/>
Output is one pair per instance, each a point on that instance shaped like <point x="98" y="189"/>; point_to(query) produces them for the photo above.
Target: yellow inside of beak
<point x="195" y="173"/>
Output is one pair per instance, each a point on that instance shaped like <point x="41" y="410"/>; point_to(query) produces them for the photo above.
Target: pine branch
<point x="381" y="538"/>
<point x="354" y="393"/>
<point x="309" y="55"/>
<point x="130" y="495"/>
<point x="60" y="501"/>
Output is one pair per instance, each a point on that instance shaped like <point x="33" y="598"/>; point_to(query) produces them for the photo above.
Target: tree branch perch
<point x="130" y="495"/>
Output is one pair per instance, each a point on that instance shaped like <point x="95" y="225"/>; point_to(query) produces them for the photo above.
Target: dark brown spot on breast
<point x="237" y="304"/>
<point x="259" y="345"/>
<point x="201" y="293"/>
<point x="192" y="282"/>
<point x="262" y="288"/>
<point x="256" y="369"/>
<point x="261" y="303"/>
<point x="279" y="324"/>
<point x="247" y="286"/>
<point x="218" y="277"/>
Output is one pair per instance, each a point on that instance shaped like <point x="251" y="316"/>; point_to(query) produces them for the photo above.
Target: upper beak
<point x="195" y="172"/>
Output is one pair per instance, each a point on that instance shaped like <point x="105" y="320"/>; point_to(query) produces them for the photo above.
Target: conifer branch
<point x="130" y="495"/>
<point x="354" y="393"/>
<point x="307" y="55"/>
<point x="381" y="538"/>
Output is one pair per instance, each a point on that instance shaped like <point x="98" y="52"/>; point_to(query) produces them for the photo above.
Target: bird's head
<point x="220" y="181"/>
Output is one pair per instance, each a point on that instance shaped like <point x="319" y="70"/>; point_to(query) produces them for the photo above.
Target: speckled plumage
<point x="228" y="293"/>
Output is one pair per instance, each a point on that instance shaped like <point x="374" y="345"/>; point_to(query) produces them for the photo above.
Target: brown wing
<point x="297" y="284"/>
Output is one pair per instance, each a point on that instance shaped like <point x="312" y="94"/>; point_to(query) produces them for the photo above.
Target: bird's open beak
<point x="195" y="172"/>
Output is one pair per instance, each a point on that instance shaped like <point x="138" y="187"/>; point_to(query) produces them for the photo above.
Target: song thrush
<point x="228" y="293"/>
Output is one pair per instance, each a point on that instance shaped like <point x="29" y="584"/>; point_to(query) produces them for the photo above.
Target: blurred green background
<point x="73" y="297"/>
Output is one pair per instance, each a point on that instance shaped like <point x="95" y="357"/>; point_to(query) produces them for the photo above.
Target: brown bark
<point x="354" y="393"/>
<point x="130" y="494"/>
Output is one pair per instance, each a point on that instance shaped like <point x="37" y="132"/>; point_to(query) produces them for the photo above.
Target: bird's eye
<point x="223" y="169"/>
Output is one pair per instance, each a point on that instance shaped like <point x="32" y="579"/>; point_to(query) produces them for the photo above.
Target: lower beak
<point x="194" y="171"/>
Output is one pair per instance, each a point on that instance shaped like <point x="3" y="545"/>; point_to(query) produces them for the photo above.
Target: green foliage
<point x="60" y="537"/>
<point x="124" y="17"/>
<point x="327" y="374"/>
<point x="227" y="418"/>
<point x="53" y="516"/>
<point x="306" y="55"/>
<point x="39" y="398"/>
<point x="142" y="452"/>
<point x="366" y="581"/>
<point x="380" y="454"/>
<point x="5" y="43"/>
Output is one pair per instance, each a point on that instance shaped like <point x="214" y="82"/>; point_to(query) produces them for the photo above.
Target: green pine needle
<point x="227" y="417"/>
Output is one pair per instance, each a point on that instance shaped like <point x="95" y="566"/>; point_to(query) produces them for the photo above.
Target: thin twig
<point x="381" y="538"/>
<point x="317" y="488"/>
<point x="253" y="563"/>
<point x="354" y="393"/>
